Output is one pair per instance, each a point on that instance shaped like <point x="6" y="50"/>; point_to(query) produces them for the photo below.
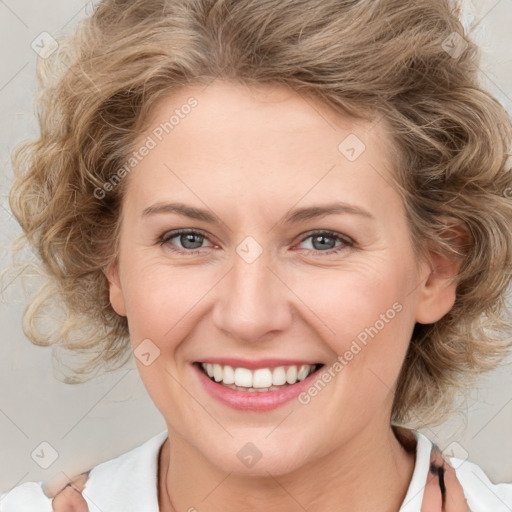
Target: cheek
<point x="160" y="299"/>
<point x="357" y="303"/>
<point x="367" y="318"/>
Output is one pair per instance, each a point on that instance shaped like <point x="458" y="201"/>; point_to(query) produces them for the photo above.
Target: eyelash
<point x="166" y="237"/>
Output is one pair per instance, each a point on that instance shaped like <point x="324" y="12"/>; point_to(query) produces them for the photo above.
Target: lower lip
<point x="253" y="400"/>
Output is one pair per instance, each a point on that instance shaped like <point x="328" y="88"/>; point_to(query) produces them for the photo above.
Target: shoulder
<point x="481" y="494"/>
<point x="30" y="495"/>
<point x="115" y="484"/>
<point x="437" y="477"/>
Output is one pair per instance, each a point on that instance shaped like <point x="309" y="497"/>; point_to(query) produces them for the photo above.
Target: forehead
<point x="261" y="109"/>
<point x="265" y="143"/>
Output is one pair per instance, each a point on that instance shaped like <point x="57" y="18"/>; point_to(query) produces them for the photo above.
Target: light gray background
<point x="87" y="424"/>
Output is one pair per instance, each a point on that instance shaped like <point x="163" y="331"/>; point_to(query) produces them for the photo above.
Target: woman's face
<point x="268" y="280"/>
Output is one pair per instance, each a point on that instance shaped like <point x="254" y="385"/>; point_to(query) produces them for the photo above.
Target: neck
<point x="368" y="473"/>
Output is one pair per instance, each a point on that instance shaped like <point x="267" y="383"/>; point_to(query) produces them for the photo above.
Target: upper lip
<point x="254" y="364"/>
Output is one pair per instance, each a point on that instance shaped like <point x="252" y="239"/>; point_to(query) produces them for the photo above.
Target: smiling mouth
<point x="259" y="380"/>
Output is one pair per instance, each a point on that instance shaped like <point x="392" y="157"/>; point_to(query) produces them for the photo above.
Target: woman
<point x="296" y="215"/>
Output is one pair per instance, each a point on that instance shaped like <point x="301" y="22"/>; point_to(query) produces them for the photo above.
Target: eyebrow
<point x="181" y="209"/>
<point x="292" y="217"/>
<point x="312" y="212"/>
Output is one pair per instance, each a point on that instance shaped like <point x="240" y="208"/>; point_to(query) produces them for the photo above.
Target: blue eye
<point x="325" y="242"/>
<point x="189" y="239"/>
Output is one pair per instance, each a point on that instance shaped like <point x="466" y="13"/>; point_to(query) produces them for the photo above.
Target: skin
<point x="250" y="155"/>
<point x="69" y="498"/>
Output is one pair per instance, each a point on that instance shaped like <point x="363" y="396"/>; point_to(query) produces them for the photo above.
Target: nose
<point x="252" y="301"/>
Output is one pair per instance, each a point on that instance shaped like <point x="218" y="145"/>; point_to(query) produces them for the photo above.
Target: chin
<point x="258" y="458"/>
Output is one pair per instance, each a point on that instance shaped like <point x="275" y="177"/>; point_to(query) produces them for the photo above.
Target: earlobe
<point x="115" y="290"/>
<point x="438" y="290"/>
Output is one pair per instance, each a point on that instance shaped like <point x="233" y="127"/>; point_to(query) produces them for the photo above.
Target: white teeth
<point x="243" y="377"/>
<point x="262" y="379"/>
<point x="279" y="376"/>
<point x="229" y="375"/>
<point x="291" y="375"/>
<point x="218" y="374"/>
<point x="303" y="372"/>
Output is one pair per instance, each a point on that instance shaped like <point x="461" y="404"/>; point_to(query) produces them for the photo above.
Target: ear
<point x="437" y="292"/>
<point x="115" y="290"/>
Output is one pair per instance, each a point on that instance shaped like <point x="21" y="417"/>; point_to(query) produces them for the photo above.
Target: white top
<point x="128" y="483"/>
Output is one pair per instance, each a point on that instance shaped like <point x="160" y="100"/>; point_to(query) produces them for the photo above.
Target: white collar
<point x="414" y="497"/>
<point x="128" y="482"/>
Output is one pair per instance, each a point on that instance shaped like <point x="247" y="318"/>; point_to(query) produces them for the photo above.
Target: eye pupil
<point x="189" y="237"/>
<point x="322" y="238"/>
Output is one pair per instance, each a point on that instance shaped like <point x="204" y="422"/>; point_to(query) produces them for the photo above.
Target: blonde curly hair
<point x="407" y="62"/>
